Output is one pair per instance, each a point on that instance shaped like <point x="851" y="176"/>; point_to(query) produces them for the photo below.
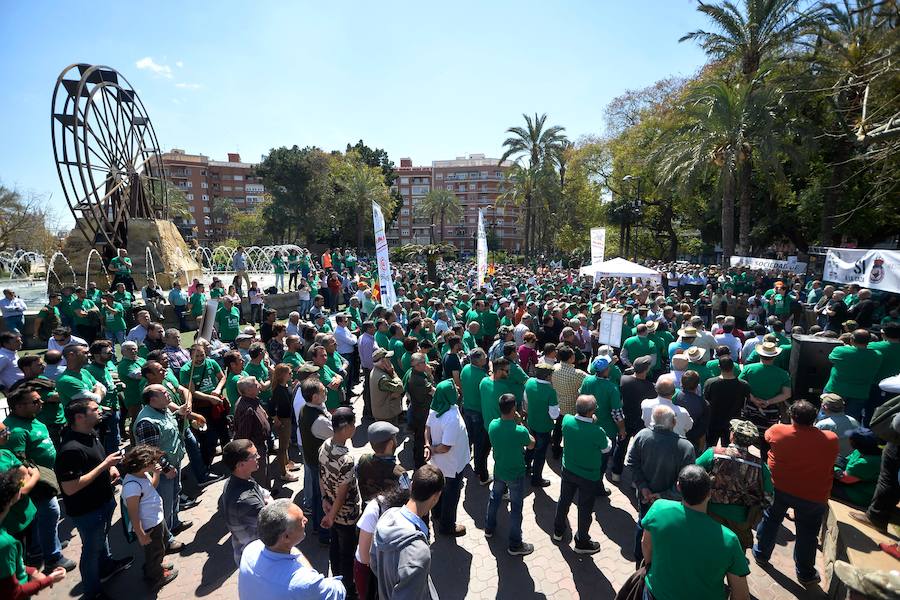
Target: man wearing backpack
<point x="742" y="484"/>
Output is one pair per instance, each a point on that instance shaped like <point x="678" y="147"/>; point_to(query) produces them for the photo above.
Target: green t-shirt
<point x="205" y="378"/>
<point x="216" y="292"/>
<point x="51" y="412"/>
<point x="70" y="385"/>
<point x="765" y="381"/>
<point x="278" y="264"/>
<point x="382" y="339"/>
<point x="133" y="389"/>
<point x="540" y="396"/>
<point x="126" y="298"/>
<point x="121" y="265"/>
<point x="113" y="317"/>
<point x="733" y="512"/>
<point x="293" y="261"/>
<point x="198" y="301"/>
<point x="261" y="372"/>
<point x="852" y="372"/>
<point x="229" y="322"/>
<point x="398" y="350"/>
<point x="637" y="346"/>
<point x="82" y="305"/>
<point x="332" y="397"/>
<point x="470" y="378"/>
<point x="782" y="303"/>
<point x="22" y="512"/>
<point x="890" y="359"/>
<point x="103" y="374"/>
<point x="491" y="391"/>
<point x="714" y="370"/>
<point x="12" y="558"/>
<point x="65" y="304"/>
<point x="30" y="438"/>
<point x="866" y="468"/>
<point x="516" y="382"/>
<point x="608" y="399"/>
<point x="583" y="445"/>
<point x="231" y="391"/>
<point x="293" y="359"/>
<point x="678" y="575"/>
<point x="509" y="440"/>
<point x="490" y="323"/>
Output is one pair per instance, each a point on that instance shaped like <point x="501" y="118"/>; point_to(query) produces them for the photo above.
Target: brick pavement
<point x="470" y="567"/>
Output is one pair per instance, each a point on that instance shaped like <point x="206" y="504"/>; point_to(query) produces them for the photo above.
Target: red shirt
<point x="801" y="460"/>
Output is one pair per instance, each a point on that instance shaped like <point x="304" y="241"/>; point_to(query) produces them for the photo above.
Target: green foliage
<point x="441" y="205"/>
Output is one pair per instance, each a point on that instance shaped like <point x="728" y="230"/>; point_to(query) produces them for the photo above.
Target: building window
<point x="191" y="209"/>
<point x="188" y="196"/>
<point x="239" y="188"/>
<point x="404" y="180"/>
<point x="206" y="209"/>
<point x="187" y="171"/>
<point x="420" y="190"/>
<point x="472" y="187"/>
<point x="205" y="198"/>
<point x="204" y="185"/>
<point x="462" y="187"/>
<point x="238" y="177"/>
<point x="189" y="184"/>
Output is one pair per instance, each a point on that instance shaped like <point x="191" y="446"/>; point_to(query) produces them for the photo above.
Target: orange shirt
<point x="326" y="260"/>
<point x="801" y="460"/>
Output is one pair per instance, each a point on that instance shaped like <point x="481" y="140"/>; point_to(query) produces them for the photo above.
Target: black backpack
<point x="882" y="418"/>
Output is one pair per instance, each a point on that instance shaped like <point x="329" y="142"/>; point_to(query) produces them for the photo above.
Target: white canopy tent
<point x="619" y="267"/>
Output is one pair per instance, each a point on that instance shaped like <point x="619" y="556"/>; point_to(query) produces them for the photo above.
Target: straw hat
<point x="768" y="349"/>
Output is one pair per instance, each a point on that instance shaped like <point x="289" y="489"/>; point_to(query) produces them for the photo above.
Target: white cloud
<point x="147" y="63"/>
<point x="179" y="64"/>
<point x="188" y="86"/>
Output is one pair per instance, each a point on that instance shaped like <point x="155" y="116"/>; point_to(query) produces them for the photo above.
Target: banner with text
<point x="481" y="250"/>
<point x="768" y="264"/>
<point x="385" y="280"/>
<point x="598" y="244"/>
<point x="875" y="269"/>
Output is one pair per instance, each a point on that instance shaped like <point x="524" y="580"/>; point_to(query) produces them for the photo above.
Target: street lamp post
<point x="632" y="214"/>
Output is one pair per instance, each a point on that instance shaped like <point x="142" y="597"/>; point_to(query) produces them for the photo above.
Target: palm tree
<point x="760" y="32"/>
<point x="441" y="203"/>
<point x="360" y="185"/>
<point x="430" y="252"/>
<point x="538" y="145"/>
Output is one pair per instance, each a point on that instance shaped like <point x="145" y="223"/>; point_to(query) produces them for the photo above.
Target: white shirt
<point x="137" y="334"/>
<point x="9" y="369"/>
<point x="346" y="341"/>
<point x="450" y="430"/>
<point x="749" y="345"/>
<point x="683" y="420"/>
<point x="706" y="341"/>
<point x="150" y="505"/>
<point x="292" y="328"/>
<point x="519" y="332"/>
<point x="733" y="343"/>
<point x="12" y="308"/>
<point x="52" y="344"/>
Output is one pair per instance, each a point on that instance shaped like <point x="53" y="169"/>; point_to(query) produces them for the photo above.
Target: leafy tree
<point x="357" y="186"/>
<point x="430" y="253"/>
<point x="442" y="204"/>
<point x="23" y="220"/>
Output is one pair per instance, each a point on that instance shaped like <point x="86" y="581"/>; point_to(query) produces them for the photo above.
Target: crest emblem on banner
<point x="877" y="273"/>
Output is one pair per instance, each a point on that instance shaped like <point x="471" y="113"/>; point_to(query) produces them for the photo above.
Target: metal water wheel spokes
<point x="107" y="155"/>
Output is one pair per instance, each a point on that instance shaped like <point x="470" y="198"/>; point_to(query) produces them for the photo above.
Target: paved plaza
<point x="470" y="567"/>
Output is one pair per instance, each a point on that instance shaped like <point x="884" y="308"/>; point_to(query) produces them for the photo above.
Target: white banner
<point x="598" y="244"/>
<point x="875" y="269"/>
<point x="385" y="281"/>
<point x="481" y="251"/>
<point x="767" y="264"/>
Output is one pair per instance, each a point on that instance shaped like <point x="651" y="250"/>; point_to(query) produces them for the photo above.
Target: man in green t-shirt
<point x="203" y="378"/>
<point x="853" y="371"/>
<point x="48" y="318"/>
<point x="542" y="408"/>
<point x="332" y="381"/>
<point x="670" y="527"/>
<point x="510" y="440"/>
<point x="889" y="350"/>
<point x="639" y="345"/>
<point x="198" y="301"/>
<point x="585" y="448"/>
<point x="101" y="369"/>
<point x="129" y="370"/>
<point x="113" y="319"/>
<point x="122" y="266"/>
<point x="770" y="386"/>
<point x="85" y="315"/>
<point x="75" y="382"/>
<point x="228" y="320"/>
<point x="608" y="416"/>
<point x="470" y="380"/>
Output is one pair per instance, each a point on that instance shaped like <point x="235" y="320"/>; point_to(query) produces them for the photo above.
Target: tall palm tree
<point x="360" y="185"/>
<point x="443" y="204"/>
<point x="538" y="144"/>
<point x="757" y="33"/>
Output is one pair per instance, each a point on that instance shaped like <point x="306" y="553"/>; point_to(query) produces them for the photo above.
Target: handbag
<point x="633" y="588"/>
<point x="47" y="486"/>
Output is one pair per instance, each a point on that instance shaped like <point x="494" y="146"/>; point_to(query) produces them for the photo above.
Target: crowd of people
<point x="691" y="405"/>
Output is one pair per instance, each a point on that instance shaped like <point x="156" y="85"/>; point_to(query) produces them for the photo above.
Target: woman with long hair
<point x="281" y="408"/>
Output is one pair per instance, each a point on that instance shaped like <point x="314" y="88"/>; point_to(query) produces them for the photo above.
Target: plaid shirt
<point x="567" y="381"/>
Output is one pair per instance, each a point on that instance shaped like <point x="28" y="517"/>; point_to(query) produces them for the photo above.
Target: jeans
<point x="516" y="501"/>
<point x="639" y="529"/>
<point x="195" y="458"/>
<point x="417" y="416"/>
<point x="304" y="307"/>
<point x="292" y="280"/>
<point x="279" y="281"/>
<point x="15" y="323"/>
<point x="808" y="518"/>
<point x="887" y="490"/>
<point x="317" y="511"/>
<point x="479" y="439"/>
<point x="116" y="337"/>
<point x="344" y="539"/>
<point x="587" y="493"/>
<point x="556" y="437"/>
<point x="96" y="560"/>
<point x="256" y="313"/>
<point x="110" y="432"/>
<point x="536" y="458"/>
<point x="46" y="535"/>
<point x="309" y="476"/>
<point x="367" y="393"/>
<point x="169" y="490"/>
<point x="444" y="513"/>
<point x="352" y="378"/>
<point x="619" y="453"/>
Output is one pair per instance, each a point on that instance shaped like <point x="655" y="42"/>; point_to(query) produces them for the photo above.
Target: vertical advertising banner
<point x="385" y="281"/>
<point x="598" y="244"/>
<point x="481" y="250"/>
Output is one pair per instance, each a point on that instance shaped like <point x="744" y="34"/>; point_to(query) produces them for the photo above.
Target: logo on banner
<point x="877" y="274"/>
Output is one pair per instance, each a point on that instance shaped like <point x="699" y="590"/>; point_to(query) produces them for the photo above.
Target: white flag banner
<point x="598" y="244"/>
<point x="875" y="269"/>
<point x="481" y="250"/>
<point x="385" y="281"/>
<point x="768" y="264"/>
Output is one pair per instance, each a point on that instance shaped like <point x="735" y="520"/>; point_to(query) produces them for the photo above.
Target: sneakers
<point x="175" y="547"/>
<point x="458" y="531"/>
<point x="522" y="549"/>
<point x="288" y="478"/>
<point x="557" y="537"/>
<point x="485" y="481"/>
<point x="167" y="577"/>
<point x="863" y="519"/>
<point x="816" y="578"/>
<point x="63" y="562"/>
<point x="118" y="566"/>
<point x="488" y="533"/>
<point x="189" y="503"/>
<point x="588" y="547"/>
<point x="211" y="479"/>
<point x="182" y="526"/>
<point x="541" y="483"/>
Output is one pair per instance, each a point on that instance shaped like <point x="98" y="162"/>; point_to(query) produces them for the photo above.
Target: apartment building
<point x="213" y="189"/>
<point x="477" y="182"/>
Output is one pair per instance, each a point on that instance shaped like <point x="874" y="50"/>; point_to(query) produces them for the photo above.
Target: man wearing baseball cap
<point x="742" y="483"/>
<point x="379" y="470"/>
<point x="833" y="418"/>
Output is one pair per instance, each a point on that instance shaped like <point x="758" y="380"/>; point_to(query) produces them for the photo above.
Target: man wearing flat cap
<point x="386" y="388"/>
<point x="741" y="483"/>
<point x="379" y="470"/>
<point x="833" y="418"/>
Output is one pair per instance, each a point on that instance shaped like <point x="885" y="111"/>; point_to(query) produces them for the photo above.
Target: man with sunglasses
<point x="243" y="497"/>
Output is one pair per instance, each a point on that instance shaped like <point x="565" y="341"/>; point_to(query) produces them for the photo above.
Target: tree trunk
<point x="832" y="193"/>
<point x="442" y="225"/>
<point x="528" y="215"/>
<point x="360" y="222"/>
<point x="727" y="214"/>
<point x="745" y="171"/>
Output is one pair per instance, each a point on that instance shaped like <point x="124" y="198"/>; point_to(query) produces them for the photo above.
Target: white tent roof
<point x="619" y="267"/>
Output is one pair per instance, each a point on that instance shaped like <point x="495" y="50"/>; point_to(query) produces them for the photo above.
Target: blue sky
<point x="426" y="80"/>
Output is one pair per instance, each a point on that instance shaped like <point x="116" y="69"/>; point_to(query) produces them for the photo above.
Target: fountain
<point x="150" y="266"/>
<point x="52" y="271"/>
<point x="87" y="268"/>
